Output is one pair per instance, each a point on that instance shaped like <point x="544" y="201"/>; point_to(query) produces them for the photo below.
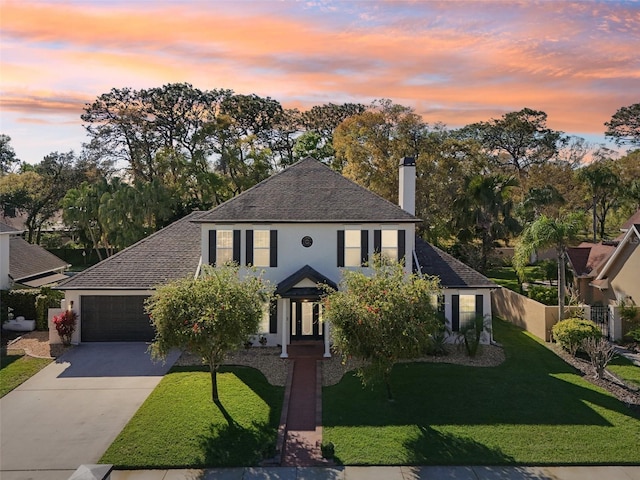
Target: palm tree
<point x="484" y="212"/>
<point x="549" y="232"/>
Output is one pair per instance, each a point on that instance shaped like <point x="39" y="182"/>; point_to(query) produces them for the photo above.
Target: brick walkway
<point x="304" y="419"/>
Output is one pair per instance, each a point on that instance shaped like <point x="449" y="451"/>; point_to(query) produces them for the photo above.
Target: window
<point x="352" y="248"/>
<point x="261" y="248"/>
<point x="390" y="243"/>
<point x="224" y="247"/>
<point x="467" y="309"/>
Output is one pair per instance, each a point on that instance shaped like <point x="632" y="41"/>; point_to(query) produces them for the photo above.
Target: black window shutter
<point x="249" y="248"/>
<point x="212" y="247"/>
<point x="273" y="247"/>
<point x="455" y="313"/>
<point x="377" y="241"/>
<point x="341" y="248"/>
<point x="364" y="246"/>
<point x="401" y="245"/>
<point x="479" y="305"/>
<point x="273" y="317"/>
<point x="236" y="246"/>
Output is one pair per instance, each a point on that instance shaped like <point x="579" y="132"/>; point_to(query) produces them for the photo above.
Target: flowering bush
<point x="65" y="324"/>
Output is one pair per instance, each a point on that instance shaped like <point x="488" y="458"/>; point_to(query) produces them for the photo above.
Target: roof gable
<point x="587" y="258"/>
<point x="307" y="191"/>
<point x="630" y="240"/>
<point x="451" y="271"/>
<point x="289" y="284"/>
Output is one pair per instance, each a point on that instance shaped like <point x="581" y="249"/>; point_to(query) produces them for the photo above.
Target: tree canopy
<point x="624" y="126"/>
<point x="382" y="317"/>
<point x="208" y="316"/>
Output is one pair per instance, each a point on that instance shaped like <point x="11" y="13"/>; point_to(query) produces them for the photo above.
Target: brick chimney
<point x="407" y="187"/>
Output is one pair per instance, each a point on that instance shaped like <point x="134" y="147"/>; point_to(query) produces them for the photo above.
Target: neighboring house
<point x="33" y="266"/>
<point x="6" y="232"/>
<point x="619" y="277"/>
<point x="584" y="261"/>
<point x="26" y="264"/>
<point x="302" y="227"/>
<point x="607" y="272"/>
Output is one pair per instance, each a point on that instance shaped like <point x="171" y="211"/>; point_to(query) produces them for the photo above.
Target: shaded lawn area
<point x="179" y="425"/>
<point x="506" y="276"/>
<point x="16" y="369"/>
<point x="626" y="370"/>
<point x="532" y="409"/>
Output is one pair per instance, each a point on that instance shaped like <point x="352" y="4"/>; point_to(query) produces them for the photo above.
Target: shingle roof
<point x="4" y="228"/>
<point x="307" y="191"/>
<point x="452" y="272"/>
<point x="27" y="260"/>
<point x="633" y="220"/>
<point x="169" y="254"/>
<point x="587" y="258"/>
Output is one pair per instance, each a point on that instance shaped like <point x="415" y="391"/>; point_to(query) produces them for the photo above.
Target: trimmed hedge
<point x="545" y="295"/>
<point x="31" y="304"/>
<point x="571" y="332"/>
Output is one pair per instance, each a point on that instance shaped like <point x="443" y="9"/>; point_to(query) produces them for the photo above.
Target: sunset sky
<point x="454" y="62"/>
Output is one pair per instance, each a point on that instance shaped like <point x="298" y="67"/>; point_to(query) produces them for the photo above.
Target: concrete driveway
<point x="69" y="413"/>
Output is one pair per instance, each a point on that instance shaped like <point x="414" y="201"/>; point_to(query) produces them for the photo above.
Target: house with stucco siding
<point x="302" y="227"/>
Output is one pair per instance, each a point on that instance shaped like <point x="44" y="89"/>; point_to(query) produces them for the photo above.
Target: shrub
<point x="571" y="332"/>
<point x="471" y="333"/>
<point x="600" y="353"/>
<point x="328" y="450"/>
<point x="634" y="334"/>
<point x="65" y="324"/>
<point x="545" y="295"/>
<point x="549" y="269"/>
<point x="47" y="299"/>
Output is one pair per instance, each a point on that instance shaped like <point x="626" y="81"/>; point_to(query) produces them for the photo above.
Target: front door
<point x="305" y="320"/>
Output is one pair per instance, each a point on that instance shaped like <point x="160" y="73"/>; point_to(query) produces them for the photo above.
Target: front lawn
<point x="532" y="409"/>
<point x="16" y="369"/>
<point x="179" y="425"/>
<point x="626" y="370"/>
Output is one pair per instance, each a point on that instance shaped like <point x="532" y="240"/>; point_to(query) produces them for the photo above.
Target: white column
<point x="284" y="325"/>
<point x="327" y="348"/>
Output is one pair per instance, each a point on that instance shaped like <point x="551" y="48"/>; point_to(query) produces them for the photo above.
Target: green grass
<point x="532" y="409"/>
<point x="626" y="370"/>
<point x="16" y="369"/>
<point x="506" y="276"/>
<point x="179" y="425"/>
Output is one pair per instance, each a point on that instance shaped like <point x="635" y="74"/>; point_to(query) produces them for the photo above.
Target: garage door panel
<point x="111" y="318"/>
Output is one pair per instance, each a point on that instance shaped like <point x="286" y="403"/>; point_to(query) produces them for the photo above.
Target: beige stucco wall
<point x="624" y="274"/>
<point x="532" y="316"/>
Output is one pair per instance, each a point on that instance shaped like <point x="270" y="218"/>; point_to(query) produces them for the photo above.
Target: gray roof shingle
<point x="4" y="228"/>
<point x="27" y="260"/>
<point x="307" y="191"/>
<point x="168" y="254"/>
<point x="452" y="272"/>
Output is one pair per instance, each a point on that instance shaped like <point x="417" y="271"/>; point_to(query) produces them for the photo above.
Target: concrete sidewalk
<point x="388" y="473"/>
<point x="71" y="411"/>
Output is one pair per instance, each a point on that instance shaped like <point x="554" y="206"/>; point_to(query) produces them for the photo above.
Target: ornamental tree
<point x="382" y="318"/>
<point x="208" y="316"/>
